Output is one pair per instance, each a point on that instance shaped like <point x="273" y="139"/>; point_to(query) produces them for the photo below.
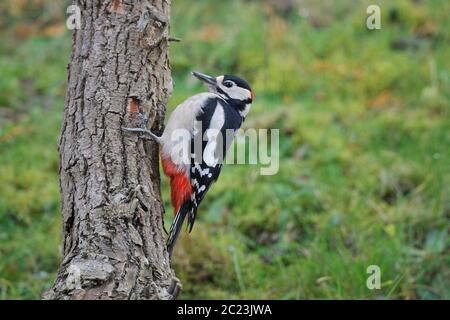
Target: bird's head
<point x="234" y="90"/>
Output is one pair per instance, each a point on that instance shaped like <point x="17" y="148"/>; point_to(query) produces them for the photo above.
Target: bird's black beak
<point x="211" y="81"/>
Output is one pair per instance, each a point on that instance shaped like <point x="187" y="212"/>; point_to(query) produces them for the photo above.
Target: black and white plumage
<point x="204" y="125"/>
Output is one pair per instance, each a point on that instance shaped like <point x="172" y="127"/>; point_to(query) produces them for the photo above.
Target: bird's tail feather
<point x="175" y="228"/>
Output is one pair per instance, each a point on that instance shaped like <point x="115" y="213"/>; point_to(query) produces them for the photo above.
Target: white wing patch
<point x="209" y="153"/>
<point x="212" y="135"/>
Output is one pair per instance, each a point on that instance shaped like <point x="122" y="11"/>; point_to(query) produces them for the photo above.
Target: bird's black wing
<point x="203" y="173"/>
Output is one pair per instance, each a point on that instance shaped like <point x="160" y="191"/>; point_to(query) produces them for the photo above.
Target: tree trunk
<point x="113" y="239"/>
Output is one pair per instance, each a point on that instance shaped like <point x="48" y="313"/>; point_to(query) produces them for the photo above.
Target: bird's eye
<point x="228" y="84"/>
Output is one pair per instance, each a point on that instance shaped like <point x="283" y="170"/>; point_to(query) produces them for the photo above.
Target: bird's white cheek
<point x="238" y="93"/>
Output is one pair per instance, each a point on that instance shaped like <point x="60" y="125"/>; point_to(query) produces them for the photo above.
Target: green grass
<point x="364" y="153"/>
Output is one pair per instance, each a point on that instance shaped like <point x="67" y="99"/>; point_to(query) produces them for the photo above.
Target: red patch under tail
<point x="180" y="186"/>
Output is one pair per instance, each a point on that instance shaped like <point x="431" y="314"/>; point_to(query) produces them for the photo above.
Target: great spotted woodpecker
<point x="204" y="125"/>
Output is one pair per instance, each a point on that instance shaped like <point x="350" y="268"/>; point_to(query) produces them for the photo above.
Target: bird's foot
<point x="143" y="133"/>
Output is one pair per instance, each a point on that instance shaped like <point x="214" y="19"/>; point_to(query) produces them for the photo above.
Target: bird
<point x="194" y="143"/>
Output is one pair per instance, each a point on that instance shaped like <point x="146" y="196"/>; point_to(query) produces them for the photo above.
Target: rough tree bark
<point x="113" y="238"/>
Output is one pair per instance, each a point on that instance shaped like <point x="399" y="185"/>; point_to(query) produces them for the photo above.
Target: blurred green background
<point x="364" y="143"/>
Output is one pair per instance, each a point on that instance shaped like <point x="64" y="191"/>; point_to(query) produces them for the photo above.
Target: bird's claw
<point x="143" y="133"/>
